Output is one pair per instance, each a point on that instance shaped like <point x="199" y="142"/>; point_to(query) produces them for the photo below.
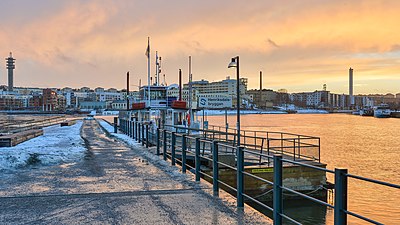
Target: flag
<point x="148" y="48"/>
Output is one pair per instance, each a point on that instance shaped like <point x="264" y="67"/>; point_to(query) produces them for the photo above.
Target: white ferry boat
<point x="382" y="111"/>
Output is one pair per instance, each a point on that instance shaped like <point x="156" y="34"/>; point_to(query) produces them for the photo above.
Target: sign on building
<point x="215" y="102"/>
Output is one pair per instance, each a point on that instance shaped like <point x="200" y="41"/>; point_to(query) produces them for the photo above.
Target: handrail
<point x="341" y="175"/>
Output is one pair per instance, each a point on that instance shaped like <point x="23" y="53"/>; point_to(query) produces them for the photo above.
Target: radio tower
<point x="10" y="67"/>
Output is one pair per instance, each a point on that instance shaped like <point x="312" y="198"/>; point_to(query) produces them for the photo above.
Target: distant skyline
<point x="299" y="45"/>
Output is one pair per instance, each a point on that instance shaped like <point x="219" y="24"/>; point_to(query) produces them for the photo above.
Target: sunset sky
<point x="299" y="45"/>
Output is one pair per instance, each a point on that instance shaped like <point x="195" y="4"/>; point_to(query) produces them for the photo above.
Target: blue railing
<point x="179" y="146"/>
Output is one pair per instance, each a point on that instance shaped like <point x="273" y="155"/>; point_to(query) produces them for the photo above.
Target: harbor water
<point x="366" y="146"/>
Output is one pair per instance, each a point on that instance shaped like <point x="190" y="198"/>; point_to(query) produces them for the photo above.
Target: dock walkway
<point x="114" y="184"/>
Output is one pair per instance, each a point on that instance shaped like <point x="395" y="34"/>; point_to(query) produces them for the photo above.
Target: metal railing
<point x="298" y="147"/>
<point x="178" y="147"/>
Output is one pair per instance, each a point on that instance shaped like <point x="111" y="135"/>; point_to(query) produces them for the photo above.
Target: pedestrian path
<point x="115" y="183"/>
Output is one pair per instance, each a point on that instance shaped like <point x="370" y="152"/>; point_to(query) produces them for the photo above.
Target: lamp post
<point x="235" y="63"/>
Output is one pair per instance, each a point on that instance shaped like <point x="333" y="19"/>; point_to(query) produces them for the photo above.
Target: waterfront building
<point x="50" y="100"/>
<point x="174" y="92"/>
<point x="262" y="99"/>
<point x="84" y="89"/>
<point x="92" y="105"/>
<point x="316" y="99"/>
<point x="109" y="96"/>
<point x="66" y="90"/>
<point x="224" y="87"/>
<point x="99" y="89"/>
<point x="10" y="102"/>
<point x="118" y="105"/>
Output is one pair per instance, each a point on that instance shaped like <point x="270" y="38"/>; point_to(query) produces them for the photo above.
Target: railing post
<point x="239" y="176"/>
<point x="340" y="216"/>
<point x="139" y="133"/>
<point x="215" y="168"/>
<point x="268" y="151"/>
<point x="197" y="159"/>
<point x="143" y="132"/>
<point x="294" y="149"/>
<point x="147" y="136"/>
<point x="130" y="128"/>
<point x="277" y="192"/>
<point x="158" y="141"/>
<point x="173" y="143"/>
<point x="134" y="130"/>
<point x="184" y="153"/>
<point x="319" y="150"/>
<point x="115" y="124"/>
<point x="165" y="144"/>
<point x="298" y="147"/>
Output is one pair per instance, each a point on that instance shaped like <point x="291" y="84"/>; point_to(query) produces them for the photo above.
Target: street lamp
<point x="239" y="151"/>
<point x="235" y="63"/>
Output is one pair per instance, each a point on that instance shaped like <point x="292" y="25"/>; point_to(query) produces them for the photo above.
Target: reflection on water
<point x="366" y="146"/>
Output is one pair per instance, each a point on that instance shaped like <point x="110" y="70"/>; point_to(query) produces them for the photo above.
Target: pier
<point x="116" y="183"/>
<point x="182" y="147"/>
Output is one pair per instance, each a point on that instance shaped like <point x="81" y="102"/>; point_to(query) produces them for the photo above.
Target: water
<point x="366" y="146"/>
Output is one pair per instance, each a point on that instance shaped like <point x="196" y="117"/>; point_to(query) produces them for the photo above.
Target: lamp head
<point x="232" y="63"/>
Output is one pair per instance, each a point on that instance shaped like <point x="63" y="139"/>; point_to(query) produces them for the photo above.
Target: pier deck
<point x="114" y="184"/>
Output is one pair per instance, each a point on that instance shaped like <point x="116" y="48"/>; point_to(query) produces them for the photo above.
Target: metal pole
<point x="215" y="168"/>
<point x="139" y="132"/>
<point x="277" y="192"/>
<point x="239" y="177"/>
<point x="142" y="128"/>
<point x="340" y="217"/>
<point x="115" y="124"/>
<point x="134" y="130"/>
<point x="238" y="99"/>
<point x="184" y="147"/>
<point x="147" y="136"/>
<point x="158" y="141"/>
<point x="226" y="123"/>
<point x="127" y="91"/>
<point x="197" y="159"/>
<point x="173" y="148"/>
<point x="165" y="144"/>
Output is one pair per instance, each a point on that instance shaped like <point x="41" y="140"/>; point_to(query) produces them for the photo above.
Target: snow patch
<point x="154" y="159"/>
<point x="56" y="145"/>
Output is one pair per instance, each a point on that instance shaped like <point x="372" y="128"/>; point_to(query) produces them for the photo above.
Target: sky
<point x="299" y="45"/>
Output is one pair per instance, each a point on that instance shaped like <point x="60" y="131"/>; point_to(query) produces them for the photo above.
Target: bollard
<point x="197" y="159"/>
<point x="158" y="141"/>
<point x="184" y="153"/>
<point x="147" y="136"/>
<point x="142" y="129"/>
<point x="239" y="175"/>
<point x="277" y="192"/>
<point x="165" y="144"/>
<point x="173" y="143"/>
<point x="340" y="216"/>
<point x="115" y="124"/>
<point x="215" y="168"/>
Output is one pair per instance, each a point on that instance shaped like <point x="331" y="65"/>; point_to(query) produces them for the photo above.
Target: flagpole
<point x="148" y="70"/>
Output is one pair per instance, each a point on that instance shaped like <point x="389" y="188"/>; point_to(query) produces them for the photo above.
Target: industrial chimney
<point x="351" y="87"/>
